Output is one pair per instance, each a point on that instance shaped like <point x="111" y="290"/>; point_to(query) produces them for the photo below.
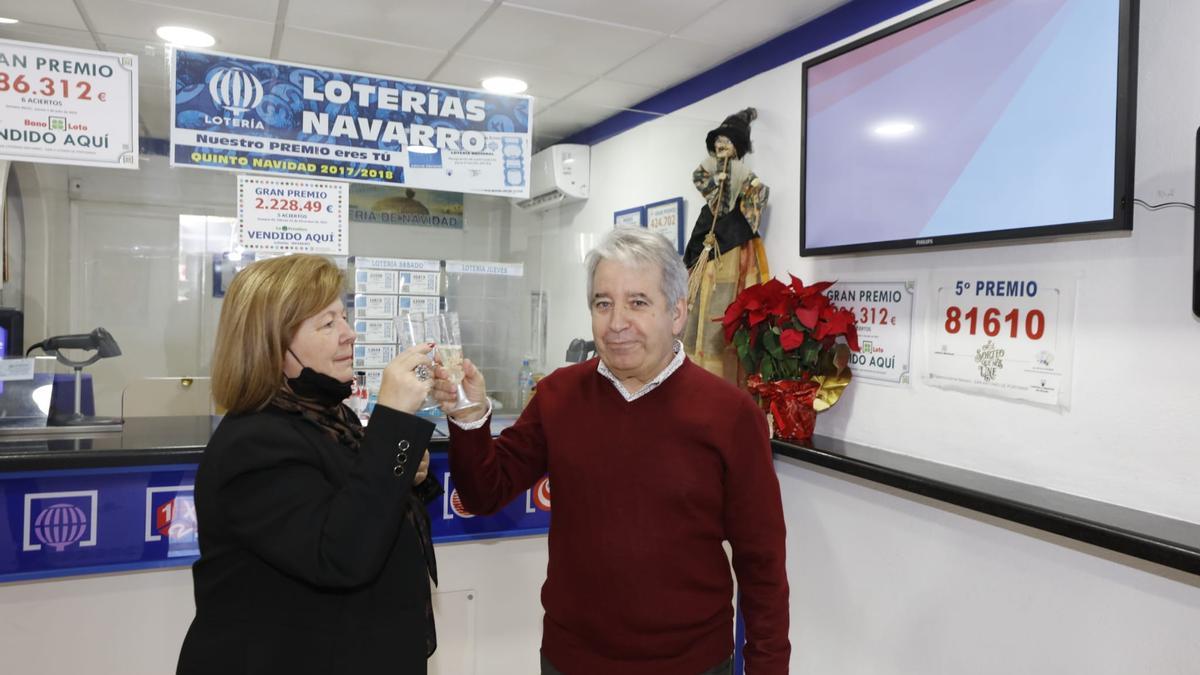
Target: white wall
<point x="884" y="582"/>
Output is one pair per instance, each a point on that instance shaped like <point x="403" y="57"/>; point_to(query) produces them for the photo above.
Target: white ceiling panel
<point x="153" y="68"/>
<point x="663" y="16"/>
<point x="139" y="21"/>
<point x="572" y="45"/>
<point x="566" y="118"/>
<point x="739" y="25"/>
<point x="540" y="103"/>
<point x="434" y="24"/>
<point x="584" y="60"/>
<point x="48" y="12"/>
<point x="367" y="56"/>
<point x="613" y="95"/>
<point x="469" y="71"/>
<point x="668" y="62"/>
<point x="62" y="37"/>
<point x="259" y="10"/>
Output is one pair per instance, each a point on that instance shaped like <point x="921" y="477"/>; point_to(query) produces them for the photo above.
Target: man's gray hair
<point x="636" y="247"/>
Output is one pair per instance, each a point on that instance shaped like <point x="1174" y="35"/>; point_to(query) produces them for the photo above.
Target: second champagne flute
<point x="445" y="332"/>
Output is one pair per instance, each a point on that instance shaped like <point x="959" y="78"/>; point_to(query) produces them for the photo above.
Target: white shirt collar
<point x="652" y="384"/>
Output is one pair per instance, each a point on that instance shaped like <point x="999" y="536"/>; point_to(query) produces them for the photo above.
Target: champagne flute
<point x="411" y="329"/>
<point x="444" y="330"/>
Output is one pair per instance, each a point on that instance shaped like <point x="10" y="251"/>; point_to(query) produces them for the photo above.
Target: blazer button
<point x="401" y="457"/>
<point x="402" y="445"/>
<point x="398" y="470"/>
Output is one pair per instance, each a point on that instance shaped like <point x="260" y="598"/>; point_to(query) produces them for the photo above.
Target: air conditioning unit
<point x="558" y="175"/>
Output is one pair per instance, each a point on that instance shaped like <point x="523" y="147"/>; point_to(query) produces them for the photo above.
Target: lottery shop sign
<point x="1006" y="335"/>
<point x="68" y="106"/>
<point x="883" y="314"/>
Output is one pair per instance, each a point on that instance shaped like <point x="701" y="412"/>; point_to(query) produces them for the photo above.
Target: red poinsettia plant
<point x="787" y="331"/>
<point x="787" y="338"/>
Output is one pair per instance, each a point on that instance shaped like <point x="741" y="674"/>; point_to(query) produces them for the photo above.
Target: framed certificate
<point x="635" y="217"/>
<point x="666" y="218"/>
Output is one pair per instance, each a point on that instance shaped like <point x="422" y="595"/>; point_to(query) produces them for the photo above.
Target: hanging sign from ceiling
<point x="68" y="106"/>
<point x="242" y="114"/>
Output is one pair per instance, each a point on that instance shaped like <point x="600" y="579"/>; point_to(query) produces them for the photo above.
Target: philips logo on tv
<point x="923" y="242"/>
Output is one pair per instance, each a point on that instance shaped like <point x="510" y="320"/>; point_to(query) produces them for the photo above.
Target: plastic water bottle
<point x="524" y="383"/>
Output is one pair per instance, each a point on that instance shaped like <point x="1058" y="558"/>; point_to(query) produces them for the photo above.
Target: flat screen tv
<point x="977" y="120"/>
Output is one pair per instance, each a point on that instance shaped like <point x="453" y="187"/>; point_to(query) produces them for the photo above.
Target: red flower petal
<point x="791" y="339"/>
<point x="852" y="336"/>
<point x="816" y="289"/>
<point x="807" y="316"/>
<point x="797" y="286"/>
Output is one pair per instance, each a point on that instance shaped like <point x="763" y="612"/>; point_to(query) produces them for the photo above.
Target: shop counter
<point x="97" y="501"/>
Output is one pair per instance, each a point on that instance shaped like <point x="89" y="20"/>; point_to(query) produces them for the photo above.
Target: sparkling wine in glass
<point x="411" y="328"/>
<point x="445" y="332"/>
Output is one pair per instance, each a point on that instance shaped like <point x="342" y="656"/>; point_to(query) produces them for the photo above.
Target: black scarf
<point x="317" y="398"/>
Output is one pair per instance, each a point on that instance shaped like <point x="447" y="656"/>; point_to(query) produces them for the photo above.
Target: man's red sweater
<point x="644" y="492"/>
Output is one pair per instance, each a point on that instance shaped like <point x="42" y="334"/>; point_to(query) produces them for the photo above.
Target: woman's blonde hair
<point x="263" y="308"/>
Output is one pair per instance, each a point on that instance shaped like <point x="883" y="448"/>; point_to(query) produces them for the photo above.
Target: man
<point x="653" y="462"/>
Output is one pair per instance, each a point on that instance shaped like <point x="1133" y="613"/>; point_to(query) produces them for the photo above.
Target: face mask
<point x="318" y="387"/>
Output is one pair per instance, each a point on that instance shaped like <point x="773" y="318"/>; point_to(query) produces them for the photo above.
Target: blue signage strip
<point x="61" y="523"/>
<point x="236" y="113"/>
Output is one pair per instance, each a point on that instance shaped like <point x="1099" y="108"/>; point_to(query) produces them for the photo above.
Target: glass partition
<point x="148" y="253"/>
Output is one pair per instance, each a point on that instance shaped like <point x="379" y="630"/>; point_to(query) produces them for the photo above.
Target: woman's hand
<point x="423" y="470"/>
<point x="407" y="379"/>
<point x="445" y="393"/>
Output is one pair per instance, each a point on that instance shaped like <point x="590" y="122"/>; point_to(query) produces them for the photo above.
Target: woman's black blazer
<point x="307" y="561"/>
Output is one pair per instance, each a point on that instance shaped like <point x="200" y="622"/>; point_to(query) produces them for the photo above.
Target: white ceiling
<point x="584" y="60"/>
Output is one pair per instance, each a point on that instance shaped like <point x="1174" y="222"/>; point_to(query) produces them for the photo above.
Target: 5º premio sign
<point x="1007" y="335"/>
<point x="68" y="106"/>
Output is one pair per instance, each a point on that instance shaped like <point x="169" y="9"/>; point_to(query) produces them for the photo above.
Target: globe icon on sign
<point x="60" y="525"/>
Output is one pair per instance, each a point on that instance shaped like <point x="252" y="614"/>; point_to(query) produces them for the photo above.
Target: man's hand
<point x="445" y="393"/>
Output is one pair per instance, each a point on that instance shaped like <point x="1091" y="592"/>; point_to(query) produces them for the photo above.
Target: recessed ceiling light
<point x="422" y="149"/>
<point x="5" y="19"/>
<point x="185" y="37"/>
<point x="505" y="85"/>
<point x="894" y="129"/>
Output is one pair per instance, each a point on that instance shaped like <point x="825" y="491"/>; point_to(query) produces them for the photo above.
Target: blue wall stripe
<point x="822" y="31"/>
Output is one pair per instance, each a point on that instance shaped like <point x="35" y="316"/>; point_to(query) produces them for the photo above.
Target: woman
<point x="315" y="554"/>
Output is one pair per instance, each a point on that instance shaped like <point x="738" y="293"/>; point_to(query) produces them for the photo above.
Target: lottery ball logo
<point x="541" y="494"/>
<point x="457" y="506"/>
<point x="60" y="525"/>
<point x="235" y="89"/>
